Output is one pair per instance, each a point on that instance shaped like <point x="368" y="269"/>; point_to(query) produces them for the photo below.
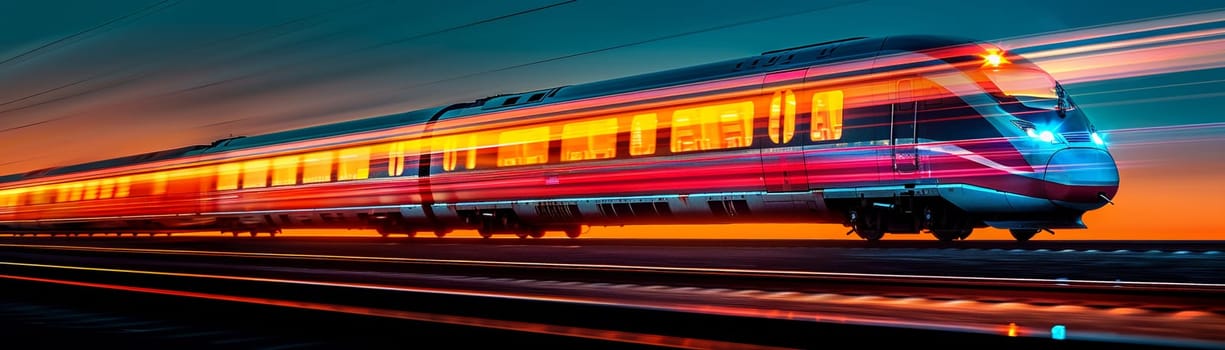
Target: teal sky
<point x="126" y="76"/>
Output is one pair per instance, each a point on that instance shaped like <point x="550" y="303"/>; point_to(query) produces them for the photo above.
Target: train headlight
<point x="1097" y="139"/>
<point x="1044" y="135"/>
<point x="1047" y="135"/>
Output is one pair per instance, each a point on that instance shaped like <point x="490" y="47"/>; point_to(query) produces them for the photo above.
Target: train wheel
<point x="384" y="233"/>
<point x="440" y="233"/>
<point x="947" y="235"/>
<point x="966" y="233"/>
<point x="536" y="233"/>
<point x="1023" y="234"/>
<point x="870" y="234"/>
<point x="574" y="231"/>
<point x="521" y="234"/>
<point x="485" y="232"/>
<point x="870" y="227"/>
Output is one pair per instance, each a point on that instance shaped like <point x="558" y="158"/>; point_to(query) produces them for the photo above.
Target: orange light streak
<point x="518" y="326"/>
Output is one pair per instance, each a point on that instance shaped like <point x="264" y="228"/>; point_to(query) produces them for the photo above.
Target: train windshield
<point x="1032" y="87"/>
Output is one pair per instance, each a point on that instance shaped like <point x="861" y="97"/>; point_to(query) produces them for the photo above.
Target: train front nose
<point x="1081" y="178"/>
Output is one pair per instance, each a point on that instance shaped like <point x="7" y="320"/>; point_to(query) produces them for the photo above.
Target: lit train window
<point x="642" y="134"/>
<point x="8" y="198"/>
<point x="455" y="148"/>
<point x="91" y="191"/>
<point x="593" y="139"/>
<point x="159" y="184"/>
<point x="827" y="115"/>
<point x="523" y="146"/>
<point x="782" y="116"/>
<point x="123" y="187"/>
<point x="39" y="195"/>
<point x="285" y="170"/>
<point x="107" y="189"/>
<point x="396" y="153"/>
<point x="61" y="193"/>
<point x="354" y="164"/>
<point x="317" y="167"/>
<point x="77" y="189"/>
<point x="712" y="127"/>
<point x="227" y="176"/>
<point x="255" y="173"/>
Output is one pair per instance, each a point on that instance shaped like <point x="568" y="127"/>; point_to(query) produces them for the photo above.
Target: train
<point x="905" y="134"/>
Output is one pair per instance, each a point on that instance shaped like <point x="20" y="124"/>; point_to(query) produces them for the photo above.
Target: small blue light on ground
<point x="1059" y="332"/>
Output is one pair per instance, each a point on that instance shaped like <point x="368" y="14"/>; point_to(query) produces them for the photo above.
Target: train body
<point x="903" y="134"/>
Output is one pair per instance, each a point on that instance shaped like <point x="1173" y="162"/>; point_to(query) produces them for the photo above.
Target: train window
<point x="285" y="170"/>
<point x="91" y="191"/>
<point x="396" y="153"/>
<point x="227" y="176"/>
<point x="159" y="184"/>
<point x="61" y="193"/>
<point x="782" y="116"/>
<point x="317" y="167"/>
<point x="39" y="195"/>
<point x="642" y="134"/>
<point x="1023" y="82"/>
<point x="255" y="173"/>
<point x="523" y="146"/>
<point x="8" y="198"/>
<point x="354" y="164"/>
<point x="123" y="187"/>
<point x="712" y="127"/>
<point x="77" y="189"/>
<point x="593" y="139"/>
<point x="827" y="115"/>
<point x="456" y="148"/>
<point x="106" y="189"/>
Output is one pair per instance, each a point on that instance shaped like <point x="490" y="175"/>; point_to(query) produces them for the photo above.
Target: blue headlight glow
<point x="1097" y="138"/>
<point x="1059" y="332"/>
<point x="1046" y="135"/>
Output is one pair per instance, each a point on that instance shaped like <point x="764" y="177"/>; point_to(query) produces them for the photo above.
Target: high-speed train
<point x="900" y="134"/>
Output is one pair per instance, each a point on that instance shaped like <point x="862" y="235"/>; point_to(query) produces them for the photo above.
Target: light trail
<point x="1162" y="45"/>
<point x="958" y="315"/>
<point x="959" y="280"/>
<point x="517" y="326"/>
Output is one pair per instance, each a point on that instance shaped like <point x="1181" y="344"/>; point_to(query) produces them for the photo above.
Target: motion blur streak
<point x="1141" y="48"/>
<point x="539" y="328"/>
<point x="693" y="270"/>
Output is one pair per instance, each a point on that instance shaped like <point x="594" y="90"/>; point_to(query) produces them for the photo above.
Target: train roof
<point x="326" y="130"/>
<point x="800" y="56"/>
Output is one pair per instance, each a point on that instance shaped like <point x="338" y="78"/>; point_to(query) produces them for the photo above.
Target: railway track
<point x="544" y="295"/>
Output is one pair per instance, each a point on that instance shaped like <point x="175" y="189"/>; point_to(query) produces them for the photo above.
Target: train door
<point x="782" y="161"/>
<point x="904" y="134"/>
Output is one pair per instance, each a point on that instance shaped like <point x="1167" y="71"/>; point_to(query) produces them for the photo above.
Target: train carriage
<point x="902" y="134"/>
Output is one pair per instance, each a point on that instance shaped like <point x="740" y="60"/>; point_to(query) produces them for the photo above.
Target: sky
<point x="90" y="80"/>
